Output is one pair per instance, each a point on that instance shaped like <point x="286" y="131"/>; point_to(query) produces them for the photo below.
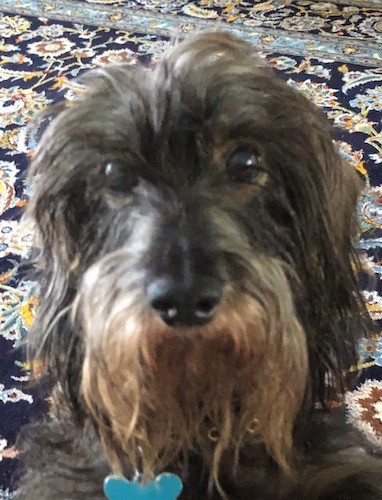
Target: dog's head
<point x="196" y="227"/>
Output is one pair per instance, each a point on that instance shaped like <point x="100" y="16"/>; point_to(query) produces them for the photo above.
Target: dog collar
<point x="166" y="486"/>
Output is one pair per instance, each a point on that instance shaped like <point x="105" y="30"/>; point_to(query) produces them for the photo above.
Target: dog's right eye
<point x="119" y="177"/>
<point x="244" y="166"/>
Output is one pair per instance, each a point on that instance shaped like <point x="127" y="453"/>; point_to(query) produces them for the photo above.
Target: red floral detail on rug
<point x="372" y="413"/>
<point x="365" y="410"/>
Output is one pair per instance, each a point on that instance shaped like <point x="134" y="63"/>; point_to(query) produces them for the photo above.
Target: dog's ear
<point x="51" y="334"/>
<point x="343" y="186"/>
<point x="331" y="307"/>
<point x="58" y="210"/>
<point x="52" y="340"/>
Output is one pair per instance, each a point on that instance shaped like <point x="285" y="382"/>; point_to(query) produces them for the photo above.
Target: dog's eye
<point x="244" y="165"/>
<point x="119" y="177"/>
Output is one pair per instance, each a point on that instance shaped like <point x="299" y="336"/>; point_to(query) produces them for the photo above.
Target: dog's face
<point x="196" y="232"/>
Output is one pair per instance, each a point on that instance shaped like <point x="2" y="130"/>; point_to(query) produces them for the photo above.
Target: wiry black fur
<point x="66" y="462"/>
<point x="164" y="135"/>
<point x="70" y="462"/>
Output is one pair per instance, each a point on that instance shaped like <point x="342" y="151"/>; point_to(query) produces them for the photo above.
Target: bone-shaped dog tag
<point x="166" y="486"/>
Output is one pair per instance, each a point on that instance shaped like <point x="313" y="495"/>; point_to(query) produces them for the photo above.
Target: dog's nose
<point x="181" y="305"/>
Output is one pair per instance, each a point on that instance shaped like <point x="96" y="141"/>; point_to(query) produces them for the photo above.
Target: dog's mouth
<point x="207" y="374"/>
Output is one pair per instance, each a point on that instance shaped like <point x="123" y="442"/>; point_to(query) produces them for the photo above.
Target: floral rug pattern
<point x="356" y="19"/>
<point x="359" y="20"/>
<point x="350" y="31"/>
<point x="40" y="57"/>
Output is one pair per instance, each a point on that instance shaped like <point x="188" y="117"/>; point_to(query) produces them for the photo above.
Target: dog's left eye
<point x="118" y="176"/>
<point x="243" y="165"/>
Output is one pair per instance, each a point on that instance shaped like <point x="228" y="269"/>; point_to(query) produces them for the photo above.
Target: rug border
<point x="367" y="53"/>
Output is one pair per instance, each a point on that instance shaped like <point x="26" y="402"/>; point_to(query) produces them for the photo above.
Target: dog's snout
<point x="185" y="305"/>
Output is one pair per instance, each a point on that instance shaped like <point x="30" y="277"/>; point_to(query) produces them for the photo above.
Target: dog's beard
<point x="158" y="392"/>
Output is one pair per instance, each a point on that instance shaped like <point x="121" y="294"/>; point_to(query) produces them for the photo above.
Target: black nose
<point x="182" y="305"/>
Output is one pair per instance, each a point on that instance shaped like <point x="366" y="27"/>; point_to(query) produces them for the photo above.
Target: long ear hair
<point x="323" y="191"/>
<point x="52" y="339"/>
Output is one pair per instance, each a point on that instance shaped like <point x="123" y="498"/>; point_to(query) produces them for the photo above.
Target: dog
<point x="199" y="292"/>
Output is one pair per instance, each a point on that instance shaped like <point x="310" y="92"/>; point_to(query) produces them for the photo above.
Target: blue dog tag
<point x="166" y="486"/>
